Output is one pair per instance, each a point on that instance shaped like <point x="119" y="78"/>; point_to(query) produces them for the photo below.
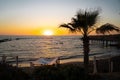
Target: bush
<point x="63" y="72"/>
<point x="8" y="72"/>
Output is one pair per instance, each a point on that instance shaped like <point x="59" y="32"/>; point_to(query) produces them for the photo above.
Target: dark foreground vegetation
<point x="8" y="72"/>
<point x="61" y="72"/>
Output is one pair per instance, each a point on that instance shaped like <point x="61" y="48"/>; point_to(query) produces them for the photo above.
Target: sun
<point x="48" y="32"/>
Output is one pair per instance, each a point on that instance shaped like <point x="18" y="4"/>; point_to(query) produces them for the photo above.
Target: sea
<point x="68" y="48"/>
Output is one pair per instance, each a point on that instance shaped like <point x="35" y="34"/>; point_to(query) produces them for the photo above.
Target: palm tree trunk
<point x="86" y="52"/>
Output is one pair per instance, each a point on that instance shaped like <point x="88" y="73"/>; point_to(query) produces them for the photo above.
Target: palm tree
<point x="107" y="28"/>
<point x="84" y="23"/>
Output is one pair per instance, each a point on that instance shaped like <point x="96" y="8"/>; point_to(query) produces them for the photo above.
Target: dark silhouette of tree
<point x="84" y="23"/>
<point x="107" y="28"/>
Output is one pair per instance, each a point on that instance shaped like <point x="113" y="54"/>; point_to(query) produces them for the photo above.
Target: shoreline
<point x="65" y="61"/>
<point x="80" y="60"/>
<point x="101" y="72"/>
<point x="102" y="65"/>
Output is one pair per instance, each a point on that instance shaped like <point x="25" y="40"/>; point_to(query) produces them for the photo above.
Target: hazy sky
<point x="35" y="16"/>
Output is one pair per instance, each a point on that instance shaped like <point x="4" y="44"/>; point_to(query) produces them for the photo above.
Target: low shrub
<point x="8" y="72"/>
<point x="63" y="72"/>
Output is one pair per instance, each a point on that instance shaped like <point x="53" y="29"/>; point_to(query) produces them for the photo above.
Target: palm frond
<point x="68" y="26"/>
<point x="107" y="28"/>
<point x="87" y="18"/>
<point x="65" y="25"/>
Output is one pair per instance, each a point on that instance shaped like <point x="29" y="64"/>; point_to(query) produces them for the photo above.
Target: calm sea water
<point x="29" y="48"/>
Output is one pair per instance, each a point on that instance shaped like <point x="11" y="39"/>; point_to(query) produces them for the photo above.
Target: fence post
<point x="57" y="62"/>
<point x="111" y="66"/>
<point x="16" y="61"/>
<point x="31" y="65"/>
<point x="94" y="65"/>
<point x="4" y="59"/>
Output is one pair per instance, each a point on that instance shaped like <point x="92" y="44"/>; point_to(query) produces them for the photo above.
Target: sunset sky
<point x="36" y="17"/>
